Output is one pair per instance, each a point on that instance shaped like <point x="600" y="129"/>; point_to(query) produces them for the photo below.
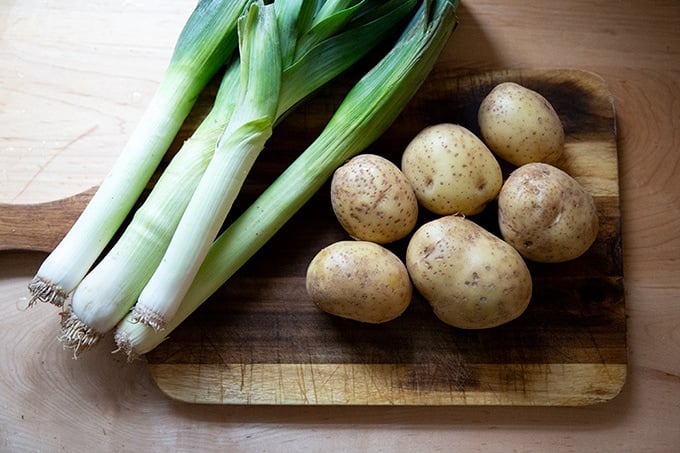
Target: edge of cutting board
<point x="197" y="363"/>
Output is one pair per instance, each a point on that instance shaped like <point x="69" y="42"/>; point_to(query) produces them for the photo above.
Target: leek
<point x="366" y="112"/>
<point x="248" y="130"/>
<point x="206" y="41"/>
<point x="108" y="292"/>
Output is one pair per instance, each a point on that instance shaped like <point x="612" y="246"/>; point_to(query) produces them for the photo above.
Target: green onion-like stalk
<point x="206" y="41"/>
<point x="366" y="112"/>
<point x="110" y="290"/>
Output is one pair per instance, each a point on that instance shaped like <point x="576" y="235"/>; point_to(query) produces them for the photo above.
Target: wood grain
<point x="67" y="67"/>
<point x="260" y="340"/>
<point x="39" y="226"/>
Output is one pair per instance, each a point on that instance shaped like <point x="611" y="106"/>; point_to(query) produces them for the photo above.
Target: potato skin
<point x="520" y="126"/>
<point x="359" y="280"/>
<point x="373" y="200"/>
<point x="546" y="214"/>
<point x="471" y="278"/>
<point x="451" y="170"/>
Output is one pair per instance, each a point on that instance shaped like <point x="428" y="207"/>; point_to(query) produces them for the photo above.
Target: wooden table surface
<point x="73" y="82"/>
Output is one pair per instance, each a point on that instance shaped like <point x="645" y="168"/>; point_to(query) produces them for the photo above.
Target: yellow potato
<point x="520" y="126"/>
<point x="451" y="170"/>
<point x="546" y="214"/>
<point x="359" y="280"/>
<point x="471" y="278"/>
<point x="373" y="200"/>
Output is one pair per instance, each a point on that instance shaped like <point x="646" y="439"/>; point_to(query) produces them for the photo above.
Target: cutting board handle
<point x="40" y="226"/>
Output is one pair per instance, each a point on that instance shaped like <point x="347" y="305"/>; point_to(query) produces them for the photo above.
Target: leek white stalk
<point x="108" y="292"/>
<point x="239" y="146"/>
<point x="205" y="42"/>
<point x="367" y="111"/>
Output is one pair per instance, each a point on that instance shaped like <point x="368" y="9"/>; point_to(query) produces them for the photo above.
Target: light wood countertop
<point x="74" y="80"/>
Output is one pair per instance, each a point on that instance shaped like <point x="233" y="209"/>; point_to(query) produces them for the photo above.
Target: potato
<point x="520" y="126"/>
<point x="451" y="170"/>
<point x="359" y="280"/>
<point x="471" y="278"/>
<point x="373" y="200"/>
<point x="546" y="214"/>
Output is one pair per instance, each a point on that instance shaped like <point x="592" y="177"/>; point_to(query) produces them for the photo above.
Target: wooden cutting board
<point x="260" y="340"/>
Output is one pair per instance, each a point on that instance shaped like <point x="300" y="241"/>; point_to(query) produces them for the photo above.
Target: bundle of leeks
<point x="169" y="259"/>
